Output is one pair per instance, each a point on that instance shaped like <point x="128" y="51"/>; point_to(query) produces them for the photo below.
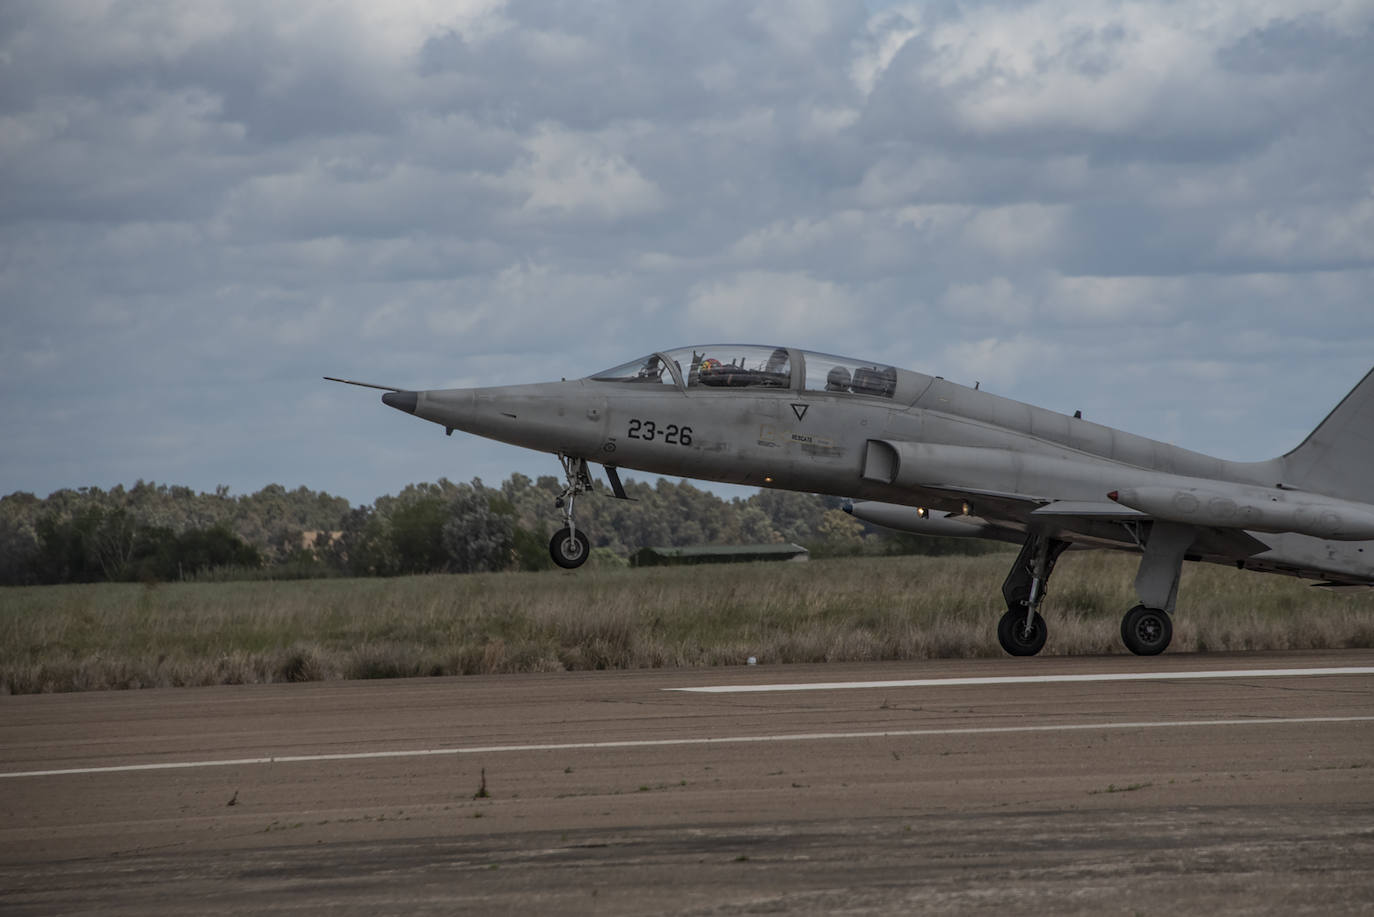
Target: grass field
<point x="72" y="638"/>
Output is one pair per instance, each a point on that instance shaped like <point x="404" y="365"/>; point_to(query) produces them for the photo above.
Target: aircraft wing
<point x="1084" y="517"/>
<point x="1105" y="511"/>
<point x="1109" y="522"/>
<point x="1104" y="522"/>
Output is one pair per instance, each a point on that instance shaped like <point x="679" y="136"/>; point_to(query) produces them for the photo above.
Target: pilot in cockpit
<point x="837" y="380"/>
<point x="651" y="371"/>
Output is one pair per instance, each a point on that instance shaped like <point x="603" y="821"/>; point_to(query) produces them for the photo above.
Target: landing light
<point x="922" y="512"/>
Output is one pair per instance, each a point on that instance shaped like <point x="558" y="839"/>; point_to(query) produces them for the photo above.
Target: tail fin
<point x="1338" y="457"/>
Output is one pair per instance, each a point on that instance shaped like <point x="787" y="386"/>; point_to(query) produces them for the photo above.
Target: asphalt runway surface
<point x="1228" y="784"/>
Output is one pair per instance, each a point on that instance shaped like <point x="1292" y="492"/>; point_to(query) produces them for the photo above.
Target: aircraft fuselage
<point x="820" y="443"/>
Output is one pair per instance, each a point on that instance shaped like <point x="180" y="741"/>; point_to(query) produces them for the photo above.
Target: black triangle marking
<point x="800" y="410"/>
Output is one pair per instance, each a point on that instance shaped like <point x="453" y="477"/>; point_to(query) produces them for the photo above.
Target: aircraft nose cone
<point x="401" y="401"/>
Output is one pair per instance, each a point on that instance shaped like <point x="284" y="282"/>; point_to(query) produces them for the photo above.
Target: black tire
<point x="567" y="550"/>
<point x="1016" y="639"/>
<point x="1146" y="631"/>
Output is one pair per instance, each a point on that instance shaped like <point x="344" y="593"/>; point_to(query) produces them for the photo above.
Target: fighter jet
<point x="927" y="455"/>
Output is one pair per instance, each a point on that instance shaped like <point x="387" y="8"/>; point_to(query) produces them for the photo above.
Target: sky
<point x="1161" y="214"/>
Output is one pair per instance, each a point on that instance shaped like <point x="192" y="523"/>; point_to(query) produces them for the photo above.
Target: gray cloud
<point x="1158" y="213"/>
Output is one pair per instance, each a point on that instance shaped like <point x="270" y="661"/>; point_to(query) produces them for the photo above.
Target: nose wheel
<point x="569" y="547"/>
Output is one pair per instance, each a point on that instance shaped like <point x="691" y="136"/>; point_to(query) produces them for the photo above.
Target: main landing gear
<point x="569" y="547"/>
<point x="1146" y="629"/>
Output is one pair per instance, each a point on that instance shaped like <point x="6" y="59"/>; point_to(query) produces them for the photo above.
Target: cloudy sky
<point x="1161" y="214"/>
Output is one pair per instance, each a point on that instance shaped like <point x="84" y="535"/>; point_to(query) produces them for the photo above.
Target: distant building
<point x="717" y="554"/>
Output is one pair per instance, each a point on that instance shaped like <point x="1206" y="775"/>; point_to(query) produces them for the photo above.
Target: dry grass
<point x="71" y="638"/>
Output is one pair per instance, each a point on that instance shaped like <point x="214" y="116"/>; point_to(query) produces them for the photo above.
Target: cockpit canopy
<point x="730" y="366"/>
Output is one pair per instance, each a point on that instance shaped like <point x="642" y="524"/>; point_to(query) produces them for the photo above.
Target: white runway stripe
<point x="1025" y="680"/>
<point x="663" y="743"/>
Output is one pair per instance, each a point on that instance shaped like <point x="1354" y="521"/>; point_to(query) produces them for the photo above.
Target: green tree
<point x="840" y="529"/>
<point x="365" y="547"/>
<point x="417" y="534"/>
<point x="530" y="548"/>
<point x="111" y="543"/>
<point x="18" y="551"/>
<point x="66" y="545"/>
<point x="755" y="527"/>
<point x="163" y="554"/>
<point x="795" y="516"/>
<point x="206" y="549"/>
<point x="474" y="537"/>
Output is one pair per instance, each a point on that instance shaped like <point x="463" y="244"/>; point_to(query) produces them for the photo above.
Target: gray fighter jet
<point x="926" y="455"/>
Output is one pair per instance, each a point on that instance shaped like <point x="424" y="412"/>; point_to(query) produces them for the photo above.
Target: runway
<point x="1229" y="783"/>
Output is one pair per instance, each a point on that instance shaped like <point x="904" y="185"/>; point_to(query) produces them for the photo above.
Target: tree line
<point x="151" y="532"/>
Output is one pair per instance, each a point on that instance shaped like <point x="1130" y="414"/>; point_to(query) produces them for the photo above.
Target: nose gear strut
<point x="569" y="547"/>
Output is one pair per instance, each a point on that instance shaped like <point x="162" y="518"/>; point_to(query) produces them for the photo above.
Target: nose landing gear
<point x="569" y="547"/>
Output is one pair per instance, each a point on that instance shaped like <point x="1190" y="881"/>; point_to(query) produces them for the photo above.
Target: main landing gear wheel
<point x="569" y="549"/>
<point x="1146" y="631"/>
<point x="1018" y="639"/>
